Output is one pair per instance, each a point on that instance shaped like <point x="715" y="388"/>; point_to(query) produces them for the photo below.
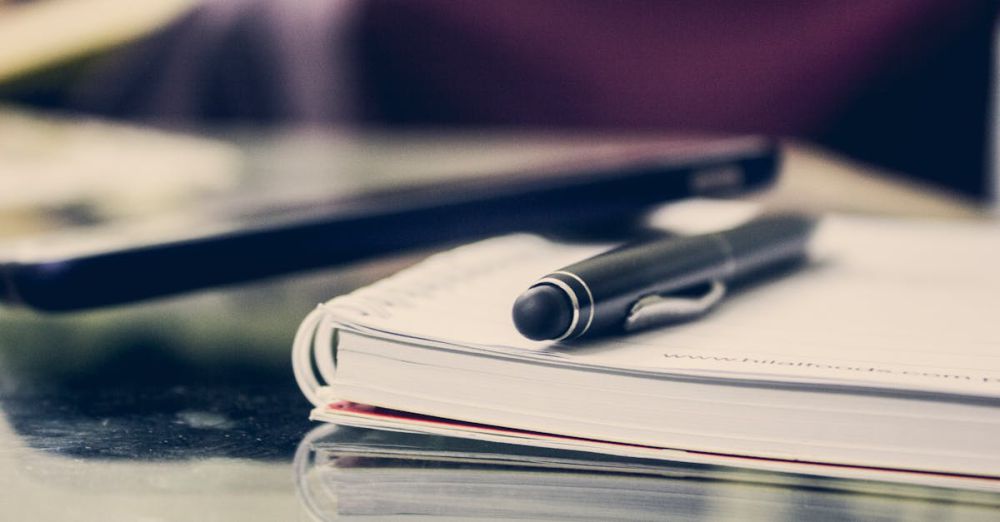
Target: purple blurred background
<point x="904" y="84"/>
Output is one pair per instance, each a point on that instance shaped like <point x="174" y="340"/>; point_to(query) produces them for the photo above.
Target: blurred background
<point x="902" y="84"/>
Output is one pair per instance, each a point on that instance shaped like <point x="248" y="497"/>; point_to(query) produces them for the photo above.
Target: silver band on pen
<point x="580" y="296"/>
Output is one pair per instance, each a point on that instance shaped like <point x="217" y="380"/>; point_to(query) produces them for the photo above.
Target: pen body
<point x="603" y="289"/>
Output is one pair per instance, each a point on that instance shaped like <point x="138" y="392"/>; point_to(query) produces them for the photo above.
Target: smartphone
<point x="304" y="202"/>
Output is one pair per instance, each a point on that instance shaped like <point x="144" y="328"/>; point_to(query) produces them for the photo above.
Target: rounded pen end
<point x="543" y="312"/>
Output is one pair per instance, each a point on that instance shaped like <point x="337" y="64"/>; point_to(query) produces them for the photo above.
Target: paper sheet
<point x="911" y="305"/>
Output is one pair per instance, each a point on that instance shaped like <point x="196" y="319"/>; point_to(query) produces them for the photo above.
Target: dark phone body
<point x="338" y="230"/>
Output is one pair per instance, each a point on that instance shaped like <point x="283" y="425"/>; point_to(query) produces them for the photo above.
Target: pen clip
<point x="656" y="309"/>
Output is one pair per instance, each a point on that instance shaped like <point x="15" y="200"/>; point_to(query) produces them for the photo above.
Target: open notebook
<point x="882" y="354"/>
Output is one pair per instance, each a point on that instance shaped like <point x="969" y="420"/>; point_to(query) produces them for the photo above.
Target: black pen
<point x="629" y="287"/>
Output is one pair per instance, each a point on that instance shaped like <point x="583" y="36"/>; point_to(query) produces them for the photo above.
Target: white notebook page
<point x="885" y="303"/>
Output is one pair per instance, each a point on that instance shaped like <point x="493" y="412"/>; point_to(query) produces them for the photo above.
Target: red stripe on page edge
<point x="386" y="413"/>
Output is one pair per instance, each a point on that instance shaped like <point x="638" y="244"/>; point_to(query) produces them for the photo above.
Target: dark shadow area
<point x="145" y="401"/>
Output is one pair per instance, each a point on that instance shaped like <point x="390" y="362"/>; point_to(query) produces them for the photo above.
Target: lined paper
<point x="901" y="304"/>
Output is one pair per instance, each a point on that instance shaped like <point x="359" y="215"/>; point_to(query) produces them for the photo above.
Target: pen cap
<point x="766" y="240"/>
<point x="605" y="287"/>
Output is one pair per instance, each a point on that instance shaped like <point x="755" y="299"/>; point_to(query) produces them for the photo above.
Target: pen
<point x="630" y="287"/>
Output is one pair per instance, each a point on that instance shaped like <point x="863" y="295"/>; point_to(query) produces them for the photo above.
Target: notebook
<point x="881" y="355"/>
<point x="344" y="472"/>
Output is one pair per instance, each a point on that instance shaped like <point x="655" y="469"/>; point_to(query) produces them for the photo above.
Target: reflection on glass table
<point x="345" y="473"/>
<point x="180" y="409"/>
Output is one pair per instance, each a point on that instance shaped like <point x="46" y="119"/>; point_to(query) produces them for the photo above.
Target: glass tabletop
<point x="182" y="409"/>
<point x="186" y="409"/>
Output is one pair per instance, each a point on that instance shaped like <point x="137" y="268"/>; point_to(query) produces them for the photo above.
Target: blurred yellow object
<point x="56" y="170"/>
<point x="47" y="33"/>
